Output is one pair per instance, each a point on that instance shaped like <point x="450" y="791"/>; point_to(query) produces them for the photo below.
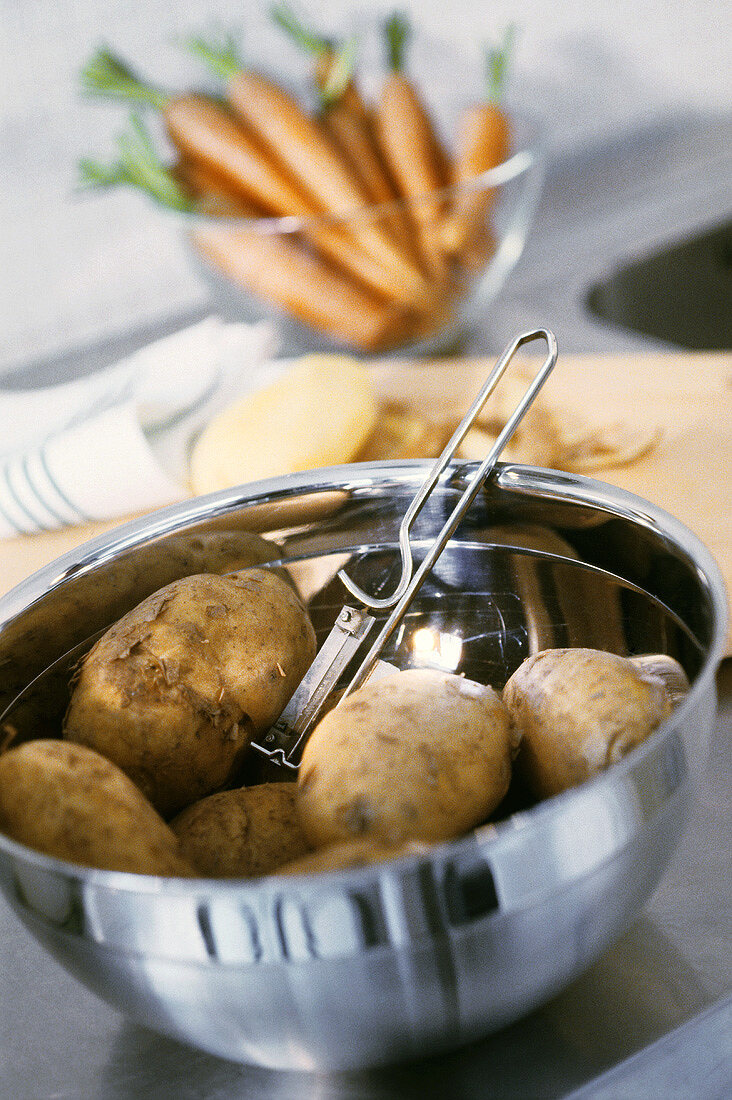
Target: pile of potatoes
<point x="149" y="774"/>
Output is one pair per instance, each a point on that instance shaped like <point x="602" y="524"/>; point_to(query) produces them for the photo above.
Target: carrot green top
<point x="222" y="58"/>
<point x="138" y="164"/>
<point x="107" y="75"/>
<point x="225" y="60"/>
<point x="341" y="72"/>
<point x="398" y="32"/>
<point x="497" y="60"/>
<point x="309" y="40"/>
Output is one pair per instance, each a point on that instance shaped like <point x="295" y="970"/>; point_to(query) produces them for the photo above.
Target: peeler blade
<point x="281" y="742"/>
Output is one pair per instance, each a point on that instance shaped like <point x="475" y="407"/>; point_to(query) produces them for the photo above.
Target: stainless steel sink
<point x="681" y="293"/>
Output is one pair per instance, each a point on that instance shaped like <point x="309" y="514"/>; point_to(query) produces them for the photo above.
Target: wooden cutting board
<point x="687" y="395"/>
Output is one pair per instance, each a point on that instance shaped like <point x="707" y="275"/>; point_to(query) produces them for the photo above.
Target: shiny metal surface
<point x="424" y="954"/>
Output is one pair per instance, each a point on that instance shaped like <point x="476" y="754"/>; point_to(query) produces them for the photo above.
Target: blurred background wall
<point x="74" y="269"/>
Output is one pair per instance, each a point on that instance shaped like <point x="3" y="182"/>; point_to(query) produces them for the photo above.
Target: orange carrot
<point x="308" y="152"/>
<point x="358" y="147"/>
<point x="484" y="142"/>
<point x="411" y="148"/>
<point x="284" y="273"/>
<point x="213" y="194"/>
<point x="349" y="97"/>
<point x="345" y="118"/>
<point x="279" y="270"/>
<point x="204" y="132"/>
<point x="333" y="64"/>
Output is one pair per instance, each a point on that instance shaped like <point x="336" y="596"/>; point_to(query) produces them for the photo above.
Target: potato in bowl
<point x="174" y="692"/>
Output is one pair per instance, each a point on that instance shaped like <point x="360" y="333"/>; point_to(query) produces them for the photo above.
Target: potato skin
<point x="175" y="690"/>
<point x="348" y="855"/>
<point x="666" y="669"/>
<point x="420" y="755"/>
<point x="578" y="711"/>
<point x="69" y="802"/>
<point x="243" y="833"/>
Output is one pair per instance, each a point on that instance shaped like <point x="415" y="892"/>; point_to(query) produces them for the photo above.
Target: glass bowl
<point x="325" y="293"/>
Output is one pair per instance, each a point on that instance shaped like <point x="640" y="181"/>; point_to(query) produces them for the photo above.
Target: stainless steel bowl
<point x="393" y="961"/>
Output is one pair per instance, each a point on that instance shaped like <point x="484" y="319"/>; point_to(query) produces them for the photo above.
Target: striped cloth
<point x="117" y="442"/>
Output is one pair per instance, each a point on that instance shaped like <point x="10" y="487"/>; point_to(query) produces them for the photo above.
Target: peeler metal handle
<point x="283" y="742"/>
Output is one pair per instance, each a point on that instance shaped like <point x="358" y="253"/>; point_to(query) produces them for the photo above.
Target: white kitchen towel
<point x="116" y="442"/>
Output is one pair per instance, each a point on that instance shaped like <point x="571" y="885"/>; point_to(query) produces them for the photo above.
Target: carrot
<point x="484" y="142"/>
<point x="410" y="146"/>
<point x="335" y="89"/>
<point x="333" y="63"/>
<point x="280" y="271"/>
<point x="306" y="287"/>
<point x="345" y="118"/>
<point x="246" y="166"/>
<point x="203" y="131"/>
<point x="308" y="152"/>
<point x="213" y="195"/>
<point x="358" y="146"/>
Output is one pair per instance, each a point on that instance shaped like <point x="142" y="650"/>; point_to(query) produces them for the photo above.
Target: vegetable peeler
<point x="284" y="741"/>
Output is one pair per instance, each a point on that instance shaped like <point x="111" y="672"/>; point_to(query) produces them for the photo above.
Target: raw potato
<point x="348" y="855"/>
<point x="174" y="691"/>
<point x="243" y="833"/>
<point x="421" y="755"/>
<point x="666" y="669"/>
<point x="69" y="802"/>
<point x="213" y="552"/>
<point x="401" y="433"/>
<point x="319" y="414"/>
<point x="577" y="711"/>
